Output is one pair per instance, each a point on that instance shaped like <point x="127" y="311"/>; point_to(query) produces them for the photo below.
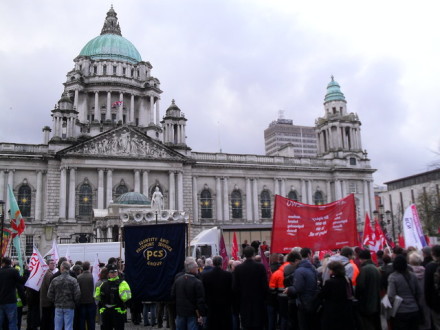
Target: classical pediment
<point x="123" y="142"/>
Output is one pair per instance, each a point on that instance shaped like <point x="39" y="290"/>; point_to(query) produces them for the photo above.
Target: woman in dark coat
<point x="337" y="295"/>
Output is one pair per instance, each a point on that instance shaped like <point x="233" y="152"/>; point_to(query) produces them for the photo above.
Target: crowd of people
<point x="345" y="289"/>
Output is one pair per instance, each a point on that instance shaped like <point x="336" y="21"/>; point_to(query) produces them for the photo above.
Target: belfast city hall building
<point x="112" y="144"/>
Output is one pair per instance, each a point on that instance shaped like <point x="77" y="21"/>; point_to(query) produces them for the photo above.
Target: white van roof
<point x="207" y="236"/>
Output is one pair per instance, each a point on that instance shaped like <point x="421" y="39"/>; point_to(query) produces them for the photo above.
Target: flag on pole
<point x="234" y="250"/>
<point x="17" y="226"/>
<point x="96" y="270"/>
<point x="380" y="236"/>
<point x="412" y="228"/>
<point x="37" y="269"/>
<point x="115" y="104"/>
<point x="401" y="241"/>
<point x="6" y="237"/>
<point x="371" y="237"/>
<point x="53" y="252"/>
<point x="223" y="252"/>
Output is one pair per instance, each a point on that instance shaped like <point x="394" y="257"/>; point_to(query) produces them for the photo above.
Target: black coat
<point x="431" y="296"/>
<point x="189" y="295"/>
<point x="10" y="281"/>
<point x="218" y="293"/>
<point x="337" y="309"/>
<point x="251" y="288"/>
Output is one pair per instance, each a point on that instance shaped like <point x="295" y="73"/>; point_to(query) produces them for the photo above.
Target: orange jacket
<point x="355" y="272"/>
<point x="277" y="279"/>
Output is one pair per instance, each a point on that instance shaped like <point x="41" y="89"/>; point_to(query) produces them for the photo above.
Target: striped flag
<point x="17" y="226"/>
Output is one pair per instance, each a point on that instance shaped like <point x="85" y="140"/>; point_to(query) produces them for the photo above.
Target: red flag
<point x="234" y="250"/>
<point x="401" y="241"/>
<point x="223" y="252"/>
<point x="380" y="236"/>
<point x="368" y="232"/>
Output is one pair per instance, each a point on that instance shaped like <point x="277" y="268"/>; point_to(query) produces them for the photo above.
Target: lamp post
<point x="2" y="219"/>
<point x="389" y="218"/>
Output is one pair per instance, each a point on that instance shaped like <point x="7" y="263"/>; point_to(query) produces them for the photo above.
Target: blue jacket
<point x="305" y="282"/>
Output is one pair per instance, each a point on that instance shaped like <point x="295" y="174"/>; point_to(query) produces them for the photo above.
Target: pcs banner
<point x="154" y="254"/>
<point x="319" y="227"/>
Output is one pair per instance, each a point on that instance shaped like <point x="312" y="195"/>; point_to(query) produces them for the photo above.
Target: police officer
<point x="112" y="295"/>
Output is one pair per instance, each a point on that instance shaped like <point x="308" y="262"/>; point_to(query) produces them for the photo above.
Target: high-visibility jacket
<point x="113" y="293"/>
<point x="355" y="272"/>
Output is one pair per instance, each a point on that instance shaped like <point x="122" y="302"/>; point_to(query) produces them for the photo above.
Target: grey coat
<point x="64" y="291"/>
<point x="408" y="289"/>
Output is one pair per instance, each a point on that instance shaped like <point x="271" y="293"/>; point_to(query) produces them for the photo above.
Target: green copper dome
<point x="111" y="44"/>
<point x="132" y="198"/>
<point x="334" y="92"/>
<point x="113" y="47"/>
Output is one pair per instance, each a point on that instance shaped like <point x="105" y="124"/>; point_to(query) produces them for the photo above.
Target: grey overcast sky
<point x="231" y="65"/>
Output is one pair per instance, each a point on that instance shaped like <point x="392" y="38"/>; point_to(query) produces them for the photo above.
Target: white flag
<point x="96" y="270"/>
<point x="53" y="252"/>
<point x="37" y="268"/>
<point x="412" y="228"/>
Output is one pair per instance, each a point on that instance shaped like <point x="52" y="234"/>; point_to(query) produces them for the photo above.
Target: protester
<point x="368" y="293"/>
<point x="432" y="286"/>
<point x="404" y="284"/>
<point x="250" y="287"/>
<point x="47" y="307"/>
<point x="415" y="261"/>
<point x="65" y="293"/>
<point x="427" y="255"/>
<point x="294" y="258"/>
<point x="113" y="294"/>
<point x="87" y="307"/>
<point x="208" y="266"/>
<point x="10" y="282"/>
<point x="218" y="291"/>
<point x="337" y="295"/>
<point x="189" y="295"/>
<point x="305" y="287"/>
<point x="344" y="257"/>
<point x="149" y="313"/>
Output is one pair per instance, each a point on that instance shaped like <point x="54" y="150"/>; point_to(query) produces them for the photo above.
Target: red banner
<point x="5" y="243"/>
<point x="319" y="227"/>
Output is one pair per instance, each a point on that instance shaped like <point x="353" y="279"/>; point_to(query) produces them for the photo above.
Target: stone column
<point x="145" y="184"/>
<point x="72" y="191"/>
<point x="309" y="192"/>
<point x="172" y="191"/>
<point x="256" y="201"/>
<point x="218" y="198"/>
<point x="329" y="192"/>
<point x="248" y="200"/>
<point x="121" y="99"/>
<point x="276" y="186"/>
<point x="195" y="199"/>
<point x="338" y="189"/>
<point x="109" y="233"/>
<point x="225" y="200"/>
<point x="150" y="116"/>
<point x="100" y="189"/>
<point x="38" y="196"/>
<point x="98" y="233"/>
<point x="132" y="120"/>
<point x="75" y="99"/>
<point x="2" y="185"/>
<point x="180" y="191"/>
<point x="303" y="192"/>
<point x="366" y="198"/>
<point x="157" y="113"/>
<point x="371" y="196"/>
<point x="97" y="110"/>
<point x="109" y="190"/>
<point x="63" y="190"/>
<point x="343" y="189"/>
<point x="283" y="188"/>
<point x="108" y="112"/>
<point x="137" y="181"/>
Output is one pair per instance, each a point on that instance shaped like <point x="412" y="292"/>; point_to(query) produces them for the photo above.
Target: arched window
<point x="293" y="195"/>
<point x="237" y="205"/>
<point x="120" y="190"/>
<point x="206" y="204"/>
<point x="85" y="200"/>
<point x="24" y="200"/>
<point x="318" y="198"/>
<point x="265" y="204"/>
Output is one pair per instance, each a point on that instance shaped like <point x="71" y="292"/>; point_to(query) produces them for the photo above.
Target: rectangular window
<point x="114" y="69"/>
<point x="29" y="245"/>
<point x="102" y="117"/>
<point x="95" y="70"/>
<point x="123" y="71"/>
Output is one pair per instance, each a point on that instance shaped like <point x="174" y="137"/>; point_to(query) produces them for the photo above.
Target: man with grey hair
<point x="208" y="266"/>
<point x="218" y="291"/>
<point x="65" y="293"/>
<point x="189" y="295"/>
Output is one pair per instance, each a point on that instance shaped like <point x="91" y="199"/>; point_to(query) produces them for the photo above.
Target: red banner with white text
<point x="319" y="227"/>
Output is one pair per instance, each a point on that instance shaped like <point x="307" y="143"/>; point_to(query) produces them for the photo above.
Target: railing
<point x="25" y="148"/>
<point x="84" y="238"/>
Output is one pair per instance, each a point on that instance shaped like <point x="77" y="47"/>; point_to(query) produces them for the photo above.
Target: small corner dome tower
<point x="334" y="92"/>
<point x="110" y="44"/>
